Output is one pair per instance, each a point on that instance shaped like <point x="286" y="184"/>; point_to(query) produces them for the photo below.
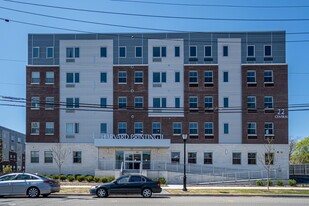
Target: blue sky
<point x="13" y="38"/>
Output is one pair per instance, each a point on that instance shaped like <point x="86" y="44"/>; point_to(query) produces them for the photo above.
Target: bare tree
<point x="59" y="155"/>
<point x="292" y="146"/>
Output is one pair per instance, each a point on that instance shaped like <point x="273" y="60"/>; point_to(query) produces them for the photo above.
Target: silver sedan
<point x="27" y="184"/>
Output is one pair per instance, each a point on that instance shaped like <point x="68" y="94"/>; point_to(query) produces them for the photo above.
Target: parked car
<point x="27" y="184"/>
<point x="128" y="184"/>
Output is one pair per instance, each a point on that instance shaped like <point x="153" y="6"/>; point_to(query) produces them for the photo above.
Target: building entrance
<point x="132" y="160"/>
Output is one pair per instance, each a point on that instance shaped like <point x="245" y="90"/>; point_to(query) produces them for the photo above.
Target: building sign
<point x="132" y="136"/>
<point x="281" y="114"/>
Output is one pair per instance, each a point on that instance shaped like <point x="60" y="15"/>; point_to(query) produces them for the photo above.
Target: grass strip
<point x="239" y="191"/>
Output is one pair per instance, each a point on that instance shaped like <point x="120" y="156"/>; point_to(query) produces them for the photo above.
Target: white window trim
<point x="47" y="52"/>
<point x="38" y="77"/>
<point x="125" y="51"/>
<point x="212" y="129"/>
<point x="141" y="51"/>
<point x="139" y="102"/>
<point x="254" y="76"/>
<point x="212" y="77"/>
<point x="46" y="77"/>
<point x="273" y="128"/>
<point x="210" y="50"/>
<point x="271" y="50"/>
<point x="211" y="101"/>
<point x="193" y="108"/>
<point x="255" y="134"/>
<point x="253" y="51"/>
<point x="49" y="128"/>
<point x="37" y="128"/>
<point x="196" y="77"/>
<point x="196" y="129"/>
<point x="142" y="76"/>
<point x="126" y="77"/>
<point x="47" y="103"/>
<point x="272" y="76"/>
<point x="190" y="50"/>
<point x="36" y="47"/>
<point x="272" y="102"/>
<point x="254" y="97"/>
<point x="35" y="108"/>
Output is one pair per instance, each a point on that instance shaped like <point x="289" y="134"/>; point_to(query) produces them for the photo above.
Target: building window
<point x="225" y="102"/>
<point x="138" y="51"/>
<point x="208" y="77"/>
<point x="103" y="102"/>
<point x="49" y="103"/>
<point x="250" y="51"/>
<point x="177" y="76"/>
<point x="35" y="52"/>
<point x="225" y="76"/>
<point x="236" y="158"/>
<point x="267" y="51"/>
<point x="177" y="128"/>
<point x="193" y="103"/>
<point x="138" y="127"/>
<point x="225" y="51"/>
<point x="269" y="129"/>
<point x="209" y="128"/>
<point x="251" y="158"/>
<point x="138" y="102"/>
<point x="251" y="77"/>
<point x="35" y="102"/>
<point x="35" y="128"/>
<point x="268" y="103"/>
<point x="72" y="78"/>
<point x="103" y="52"/>
<point x="175" y="157"/>
<point x="159" y="102"/>
<point x="122" y="52"/>
<point x="48" y="157"/>
<point x="72" y="52"/>
<point x="72" y="103"/>
<point x="77" y="157"/>
<point x="122" y="77"/>
<point x="208" y="103"/>
<point x="122" y="102"/>
<point x="208" y="158"/>
<point x="269" y="158"/>
<point x="268" y="76"/>
<point x="207" y="51"/>
<point x="192" y="157"/>
<point x="35" y="158"/>
<point x="159" y="52"/>
<point x="49" y="78"/>
<point x="49" y="128"/>
<point x="177" y="51"/>
<point x="177" y="102"/>
<point x="226" y="128"/>
<point x="103" y="77"/>
<point x="72" y="128"/>
<point x="158" y="77"/>
<point x="193" y="51"/>
<point x="122" y="128"/>
<point x="50" y="52"/>
<point x="193" y="129"/>
<point x="138" y="77"/>
<point x="251" y="129"/>
<point x="156" y="128"/>
<point x="193" y="77"/>
<point x="251" y="103"/>
<point x="103" y="128"/>
<point x="35" y="77"/>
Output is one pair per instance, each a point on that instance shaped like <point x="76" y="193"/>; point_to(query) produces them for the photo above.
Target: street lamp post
<point x="184" y="137"/>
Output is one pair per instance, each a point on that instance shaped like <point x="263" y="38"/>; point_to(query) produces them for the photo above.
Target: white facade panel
<point x="169" y="89"/>
<point x="231" y="90"/>
<point x="89" y="90"/>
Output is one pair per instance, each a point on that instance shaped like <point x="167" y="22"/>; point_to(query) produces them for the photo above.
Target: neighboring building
<point x="123" y="101"/>
<point x="12" y="147"/>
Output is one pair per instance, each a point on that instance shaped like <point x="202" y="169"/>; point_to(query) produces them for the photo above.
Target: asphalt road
<point x="58" y="200"/>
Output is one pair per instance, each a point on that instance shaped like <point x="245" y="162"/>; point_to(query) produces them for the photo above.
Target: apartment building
<point x="12" y="147"/>
<point x="123" y="101"/>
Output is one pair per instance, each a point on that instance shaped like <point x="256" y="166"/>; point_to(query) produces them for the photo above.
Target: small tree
<point x="301" y="153"/>
<point x="7" y="169"/>
<point x="59" y="155"/>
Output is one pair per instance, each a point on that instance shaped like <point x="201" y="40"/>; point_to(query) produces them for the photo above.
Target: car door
<point x="6" y="184"/>
<point x="19" y="184"/>
<point x="120" y="186"/>
<point x="135" y="184"/>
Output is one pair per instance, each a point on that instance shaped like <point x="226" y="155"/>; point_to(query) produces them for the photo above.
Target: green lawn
<point x="238" y="191"/>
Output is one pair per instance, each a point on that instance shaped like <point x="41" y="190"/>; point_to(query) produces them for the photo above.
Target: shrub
<point x="110" y="178"/>
<point x="62" y="177"/>
<point x="56" y="177"/>
<point x="96" y="179"/>
<point x="77" y="176"/>
<point x="279" y="182"/>
<point x="71" y="178"/>
<point x="292" y="182"/>
<point x="162" y="180"/>
<point x="103" y="179"/>
<point x="269" y="183"/>
<point x="80" y="178"/>
<point x="7" y="169"/>
<point x="69" y="175"/>
<point x="89" y="178"/>
<point x="259" y="183"/>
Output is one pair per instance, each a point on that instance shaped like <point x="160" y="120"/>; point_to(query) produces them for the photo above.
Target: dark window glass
<point x="156" y="51"/>
<point x="163" y="76"/>
<point x="226" y="128"/>
<point x="236" y="158"/>
<point x="193" y="52"/>
<point x="267" y="51"/>
<point x="77" y="157"/>
<point x="192" y="157"/>
<point x="208" y="158"/>
<point x="177" y="76"/>
<point x="177" y="102"/>
<point x="163" y="51"/>
<point x="225" y="76"/>
<point x="250" y="51"/>
<point x="156" y="77"/>
<point x="103" y="77"/>
<point x="122" y="52"/>
<point x="103" y="52"/>
<point x="225" y="51"/>
<point x="208" y="51"/>
<point x="177" y="51"/>
<point x="175" y="157"/>
<point x="251" y="158"/>
<point x="138" y="51"/>
<point x="76" y="52"/>
<point x="103" y="102"/>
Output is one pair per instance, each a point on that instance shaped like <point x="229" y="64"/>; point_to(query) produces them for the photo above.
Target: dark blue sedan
<point x="128" y="184"/>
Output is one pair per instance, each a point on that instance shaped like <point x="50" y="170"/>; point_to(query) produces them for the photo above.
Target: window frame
<point x="193" y="77"/>
<point x="252" y="158"/>
<point x="49" y="128"/>
<point x="175" y="157"/>
<point x="250" y="46"/>
<point x="192" y="157"/>
<point x="225" y="51"/>
<point x="236" y="160"/>
<point x="103" y="77"/>
<point x="208" y="158"/>
<point x="35" y="79"/>
<point x="102" y="53"/>
<point x="103" y="126"/>
<point x="225" y="76"/>
<point x="212" y="103"/>
<point x="35" y="103"/>
<point x="266" y="128"/>
<point x="251" y="131"/>
<point x="249" y="103"/>
<point x="193" y="102"/>
<point x="207" y="46"/>
<point x="177" y="126"/>
<point x="226" y="128"/>
<point x="177" y="51"/>
<point x="138" y="127"/>
<point x="192" y="127"/>
<point x="52" y="52"/>
<point x="272" y="103"/>
<point x="34" y="157"/>
<point x="49" y="105"/>
<point x="38" y="51"/>
<point x="226" y="102"/>
<point x="125" y="51"/>
<point x="207" y="128"/>
<point x="77" y="157"/>
<point x="141" y="48"/>
<point x="121" y="78"/>
<point x="136" y="77"/>
<point x="156" y="126"/>
<point x="35" y="130"/>
<point x="249" y="77"/>
<point x="122" y="104"/>
<point x="208" y="77"/>
<point x="190" y="51"/>
<point x="138" y="102"/>
<point x="48" y="79"/>
<point x="48" y="158"/>
<point x="122" y="127"/>
<point x="271" y="52"/>
<point x="272" y="77"/>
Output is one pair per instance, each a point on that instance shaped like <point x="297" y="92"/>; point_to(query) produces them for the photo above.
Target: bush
<point x="162" y="180"/>
<point x="110" y="178"/>
<point x="69" y="175"/>
<point x="103" y="179"/>
<point x="259" y="183"/>
<point x="89" y="178"/>
<point x="56" y="177"/>
<point x="71" y="178"/>
<point x="7" y="169"/>
<point x="292" y="182"/>
<point x="96" y="179"/>
<point x="279" y="182"/>
<point x="77" y="176"/>
<point x="62" y="177"/>
<point x="80" y="178"/>
<point x="269" y="183"/>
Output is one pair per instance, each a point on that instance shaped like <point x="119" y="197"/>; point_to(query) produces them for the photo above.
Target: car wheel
<point x="146" y="192"/>
<point x="101" y="192"/>
<point x="46" y="195"/>
<point x="33" y="192"/>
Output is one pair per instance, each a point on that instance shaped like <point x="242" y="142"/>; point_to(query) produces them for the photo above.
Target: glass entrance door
<point x="132" y="160"/>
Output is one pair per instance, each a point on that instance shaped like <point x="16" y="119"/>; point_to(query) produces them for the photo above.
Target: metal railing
<point x="301" y="169"/>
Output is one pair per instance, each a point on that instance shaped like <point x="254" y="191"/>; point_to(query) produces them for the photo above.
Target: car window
<point x="135" y="179"/>
<point x="123" y="179"/>
<point x="7" y="177"/>
<point x="22" y="177"/>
